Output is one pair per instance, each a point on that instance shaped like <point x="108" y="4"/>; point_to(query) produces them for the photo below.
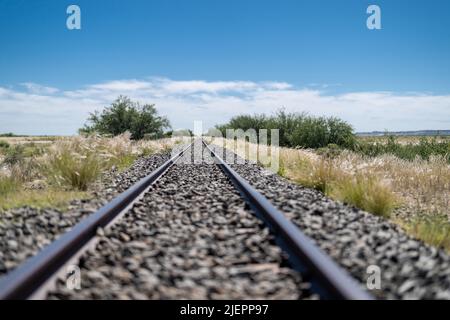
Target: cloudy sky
<point x="210" y="60"/>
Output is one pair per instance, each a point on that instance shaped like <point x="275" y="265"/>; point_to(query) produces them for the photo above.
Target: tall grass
<point x="365" y="192"/>
<point x="320" y="175"/>
<point x="43" y="175"/>
<point x="414" y="194"/>
<point x="433" y="229"/>
<point x="8" y="184"/>
<point x="74" y="170"/>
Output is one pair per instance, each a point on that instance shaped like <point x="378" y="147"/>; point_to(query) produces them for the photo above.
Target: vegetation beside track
<point x="54" y="173"/>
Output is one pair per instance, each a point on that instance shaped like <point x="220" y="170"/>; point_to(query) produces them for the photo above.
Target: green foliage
<point x="7" y="135"/>
<point x="125" y="115"/>
<point x="14" y="155"/>
<point x="424" y="148"/>
<point x="297" y="129"/>
<point x="4" y="144"/>
<point x="123" y="162"/>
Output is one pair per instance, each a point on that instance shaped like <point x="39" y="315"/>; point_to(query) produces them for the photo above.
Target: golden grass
<point x="68" y="167"/>
<point x="410" y="193"/>
<point x="48" y="198"/>
<point x="365" y="192"/>
<point x="433" y="229"/>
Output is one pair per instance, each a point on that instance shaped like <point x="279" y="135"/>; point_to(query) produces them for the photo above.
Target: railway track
<point x="228" y="195"/>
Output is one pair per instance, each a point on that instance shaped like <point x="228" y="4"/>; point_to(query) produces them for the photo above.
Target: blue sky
<point x="190" y="56"/>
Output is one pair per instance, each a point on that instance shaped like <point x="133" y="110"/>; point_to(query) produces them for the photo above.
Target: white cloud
<point x="126" y="85"/>
<point x="45" y="110"/>
<point x="39" y="89"/>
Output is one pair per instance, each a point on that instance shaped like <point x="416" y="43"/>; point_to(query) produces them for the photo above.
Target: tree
<point x="125" y="115"/>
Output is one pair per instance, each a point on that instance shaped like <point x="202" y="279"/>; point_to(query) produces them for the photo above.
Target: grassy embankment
<point x="406" y="180"/>
<point x="51" y="171"/>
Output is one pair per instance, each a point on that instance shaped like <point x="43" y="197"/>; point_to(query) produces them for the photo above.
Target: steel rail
<point x="22" y="282"/>
<point x="329" y="279"/>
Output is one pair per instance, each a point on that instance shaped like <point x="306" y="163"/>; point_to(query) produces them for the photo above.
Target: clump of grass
<point x="75" y="170"/>
<point x="147" y="151"/>
<point x="433" y="229"/>
<point x="8" y="185"/>
<point x="365" y="192"/>
<point x="320" y="175"/>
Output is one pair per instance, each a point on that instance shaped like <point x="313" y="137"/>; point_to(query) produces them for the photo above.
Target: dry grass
<point x="366" y="190"/>
<point x="414" y="194"/>
<point x="433" y="229"/>
<point x="46" y="198"/>
<point x="67" y="168"/>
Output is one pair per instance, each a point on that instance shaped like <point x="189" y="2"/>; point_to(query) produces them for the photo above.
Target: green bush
<point x="297" y="129"/>
<point x="125" y="115"/>
<point x="4" y="144"/>
<point x="424" y="149"/>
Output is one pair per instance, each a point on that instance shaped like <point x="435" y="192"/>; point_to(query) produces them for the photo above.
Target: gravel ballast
<point x="190" y="237"/>
<point x="409" y="269"/>
<point x="25" y="231"/>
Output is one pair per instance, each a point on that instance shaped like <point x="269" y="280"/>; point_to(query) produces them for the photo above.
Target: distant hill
<point x="406" y="133"/>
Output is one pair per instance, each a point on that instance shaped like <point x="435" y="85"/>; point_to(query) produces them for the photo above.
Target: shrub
<point x="297" y="129"/>
<point x="125" y="115"/>
<point x="7" y="135"/>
